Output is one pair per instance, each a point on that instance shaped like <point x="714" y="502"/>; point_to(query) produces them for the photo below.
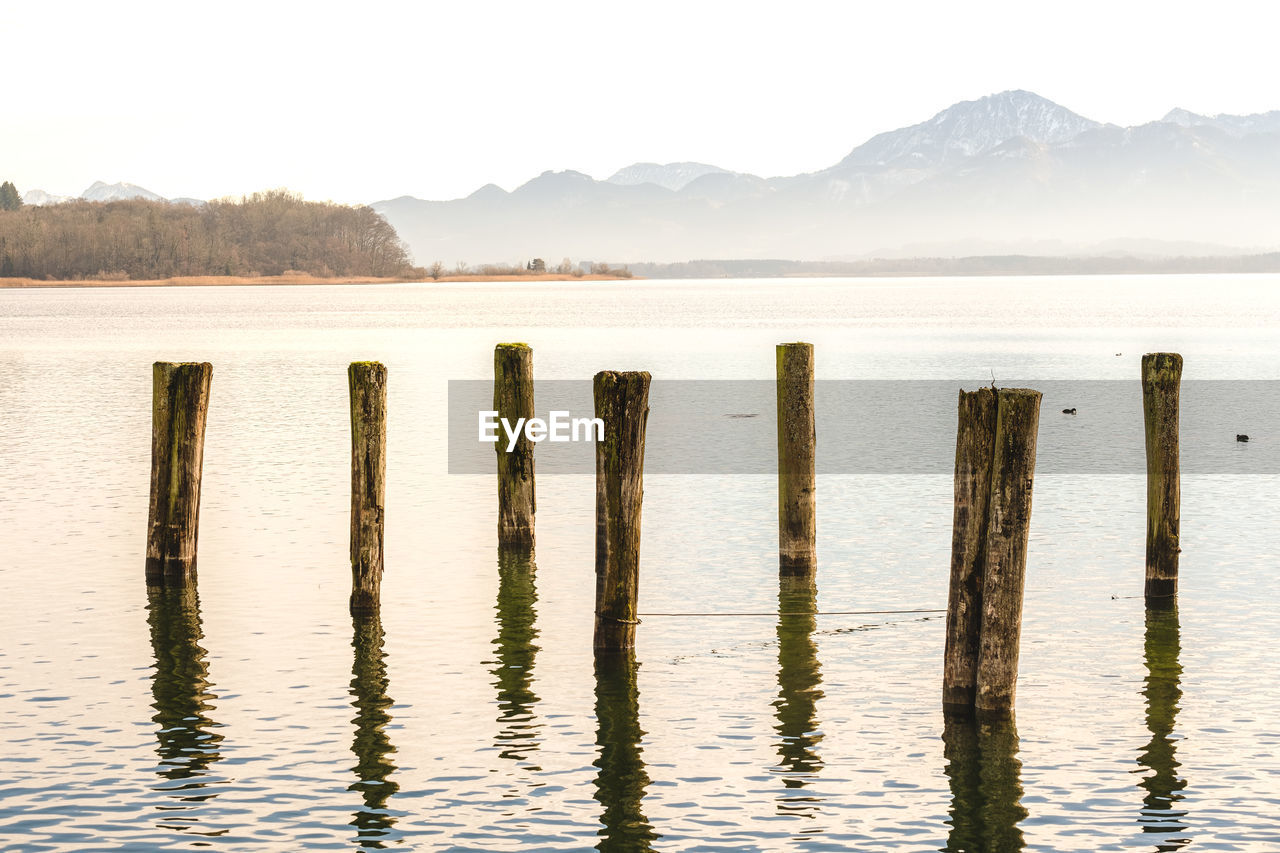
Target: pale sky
<point x="358" y="102"/>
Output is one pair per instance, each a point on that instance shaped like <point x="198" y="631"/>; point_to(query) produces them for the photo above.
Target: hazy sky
<point x="360" y="102"/>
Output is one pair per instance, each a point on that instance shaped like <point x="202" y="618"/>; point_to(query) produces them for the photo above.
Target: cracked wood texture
<point x="1161" y="378"/>
<point x="797" y="498"/>
<point x="513" y="399"/>
<point x="1013" y="467"/>
<point x="622" y="401"/>
<point x="975" y="446"/>
<point x="179" y="407"/>
<point x="368" y="384"/>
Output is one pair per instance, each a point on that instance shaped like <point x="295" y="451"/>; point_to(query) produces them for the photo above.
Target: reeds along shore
<point x="288" y="279"/>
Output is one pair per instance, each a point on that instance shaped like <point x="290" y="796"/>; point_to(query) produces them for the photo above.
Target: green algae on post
<point x="179" y="408"/>
<point x="1161" y="378"/>
<point x="622" y="402"/>
<point x="797" y="503"/>
<point x="975" y="445"/>
<point x="367" y="381"/>
<point x="513" y="400"/>
<point x="1013" y="466"/>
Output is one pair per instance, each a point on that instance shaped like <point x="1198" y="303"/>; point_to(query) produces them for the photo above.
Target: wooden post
<point x="622" y="401"/>
<point x="1161" y="375"/>
<point x="513" y="399"/>
<point x="179" y="406"/>
<point x="797" y="526"/>
<point x="975" y="446"/>
<point x="1008" y="525"/>
<point x="368" y="384"/>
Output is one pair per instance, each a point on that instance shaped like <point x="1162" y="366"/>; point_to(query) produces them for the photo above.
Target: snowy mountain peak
<point x="1231" y="124"/>
<point x="673" y="176"/>
<point x="118" y="192"/>
<point x="39" y="198"/>
<point x="1186" y="118"/>
<point x="970" y="128"/>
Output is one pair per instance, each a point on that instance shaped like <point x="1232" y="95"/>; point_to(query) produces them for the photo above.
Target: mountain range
<point x="1007" y="173"/>
<point x="100" y="191"/>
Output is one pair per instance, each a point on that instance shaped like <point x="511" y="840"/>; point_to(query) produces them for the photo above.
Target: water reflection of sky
<point x="292" y="723"/>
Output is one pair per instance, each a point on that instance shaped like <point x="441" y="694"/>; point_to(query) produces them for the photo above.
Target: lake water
<point x="254" y="715"/>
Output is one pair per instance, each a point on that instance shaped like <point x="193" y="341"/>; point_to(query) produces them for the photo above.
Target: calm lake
<point x="255" y="715"/>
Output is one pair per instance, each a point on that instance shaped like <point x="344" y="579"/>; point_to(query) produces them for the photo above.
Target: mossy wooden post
<point x="1161" y="376"/>
<point x="622" y="401"/>
<point x="368" y="383"/>
<point x="975" y="445"/>
<point x="1013" y="468"/>
<point x="179" y="407"/>
<point x="797" y="525"/>
<point x="513" y="399"/>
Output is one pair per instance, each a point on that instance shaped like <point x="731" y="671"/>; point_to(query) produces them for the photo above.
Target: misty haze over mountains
<point x="1008" y="173"/>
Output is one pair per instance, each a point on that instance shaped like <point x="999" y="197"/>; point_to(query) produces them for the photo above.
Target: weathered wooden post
<point x="975" y="445"/>
<point x="1005" y="559"/>
<point x="513" y="399"/>
<point x="1161" y="376"/>
<point x="797" y="525"/>
<point x="368" y="384"/>
<point x="622" y="402"/>
<point x="179" y="407"/>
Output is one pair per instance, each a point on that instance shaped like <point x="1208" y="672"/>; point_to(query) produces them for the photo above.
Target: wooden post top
<point x="621" y="375"/>
<point x="1161" y="365"/>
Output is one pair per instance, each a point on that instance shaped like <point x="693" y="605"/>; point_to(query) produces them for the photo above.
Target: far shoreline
<point x="288" y="280"/>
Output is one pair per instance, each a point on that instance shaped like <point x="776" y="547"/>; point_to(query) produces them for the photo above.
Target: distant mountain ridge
<point x="1235" y="125"/>
<point x="102" y="191"/>
<point x="1012" y="168"/>
<point x="672" y="176"/>
<point x="967" y="129"/>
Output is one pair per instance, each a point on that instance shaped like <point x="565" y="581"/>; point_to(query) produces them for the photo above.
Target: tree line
<point x="537" y="266"/>
<point x="267" y="233"/>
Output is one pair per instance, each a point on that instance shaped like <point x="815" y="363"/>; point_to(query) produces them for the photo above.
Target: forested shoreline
<point x="265" y="234"/>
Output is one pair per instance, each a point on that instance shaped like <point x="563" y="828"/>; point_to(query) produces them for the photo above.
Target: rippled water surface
<point x="253" y="713"/>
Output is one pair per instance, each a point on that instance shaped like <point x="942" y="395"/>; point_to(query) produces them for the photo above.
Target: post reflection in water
<point x="799" y="680"/>
<point x="1160" y="807"/>
<point x="986" y="785"/>
<point x="372" y="747"/>
<point x="188" y="738"/>
<point x="622" y="779"/>
<point x="513" y="671"/>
